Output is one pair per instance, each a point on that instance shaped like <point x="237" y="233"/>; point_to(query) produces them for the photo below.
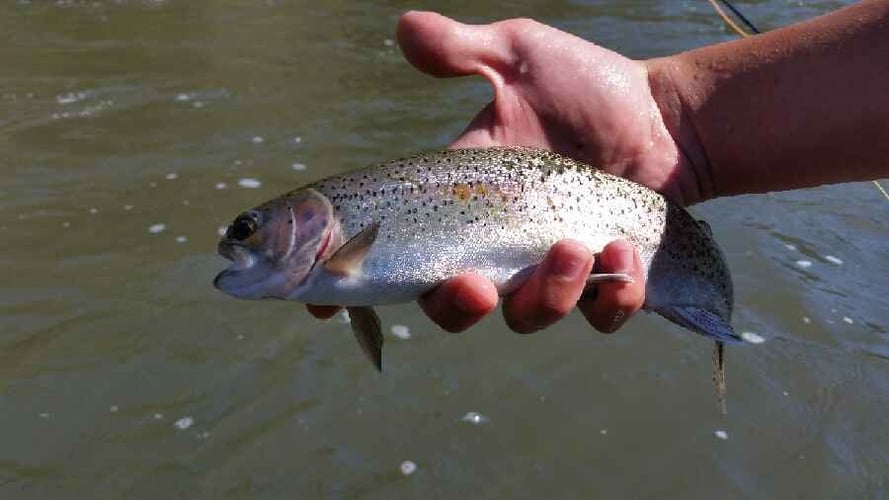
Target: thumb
<point x="443" y="47"/>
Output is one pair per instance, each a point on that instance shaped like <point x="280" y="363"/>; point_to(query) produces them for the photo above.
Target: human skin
<point x="797" y="107"/>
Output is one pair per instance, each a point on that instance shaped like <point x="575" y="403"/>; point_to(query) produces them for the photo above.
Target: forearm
<point x="801" y="106"/>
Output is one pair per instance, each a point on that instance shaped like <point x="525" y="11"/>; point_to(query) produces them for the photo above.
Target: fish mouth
<point x="253" y="277"/>
<point x="236" y="279"/>
<point x="237" y="253"/>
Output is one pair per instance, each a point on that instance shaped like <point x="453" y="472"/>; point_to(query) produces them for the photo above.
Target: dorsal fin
<point x="348" y="258"/>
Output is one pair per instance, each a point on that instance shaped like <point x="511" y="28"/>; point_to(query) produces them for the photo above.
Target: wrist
<point x="693" y="177"/>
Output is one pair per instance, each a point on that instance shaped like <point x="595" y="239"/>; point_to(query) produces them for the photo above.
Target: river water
<point x="131" y="131"/>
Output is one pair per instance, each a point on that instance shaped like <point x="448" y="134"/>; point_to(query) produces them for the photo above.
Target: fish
<point x="391" y="232"/>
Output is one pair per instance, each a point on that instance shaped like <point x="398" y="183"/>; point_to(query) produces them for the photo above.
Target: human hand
<point x="554" y="91"/>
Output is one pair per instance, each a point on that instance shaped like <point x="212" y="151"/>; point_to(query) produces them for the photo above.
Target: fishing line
<point x="728" y="20"/>
<point x="740" y="16"/>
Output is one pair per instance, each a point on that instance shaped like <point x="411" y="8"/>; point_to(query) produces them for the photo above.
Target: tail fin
<point x="700" y="321"/>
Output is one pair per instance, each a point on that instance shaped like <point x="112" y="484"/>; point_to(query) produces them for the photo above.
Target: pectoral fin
<point x="348" y="258"/>
<point x="366" y="327"/>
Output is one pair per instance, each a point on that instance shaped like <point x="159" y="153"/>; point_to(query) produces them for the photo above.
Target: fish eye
<point x="243" y="227"/>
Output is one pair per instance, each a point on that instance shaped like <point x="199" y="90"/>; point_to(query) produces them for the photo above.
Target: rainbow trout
<point x="391" y="232"/>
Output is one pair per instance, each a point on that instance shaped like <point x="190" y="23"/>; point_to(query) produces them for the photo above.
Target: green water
<point x="124" y="374"/>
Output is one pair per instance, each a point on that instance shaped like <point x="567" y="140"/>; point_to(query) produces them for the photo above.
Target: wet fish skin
<point x="493" y="211"/>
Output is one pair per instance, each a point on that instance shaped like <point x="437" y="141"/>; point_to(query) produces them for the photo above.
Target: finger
<point x="460" y="302"/>
<point x="322" y="312"/>
<point x="614" y="302"/>
<point x="552" y="290"/>
<point x="442" y="47"/>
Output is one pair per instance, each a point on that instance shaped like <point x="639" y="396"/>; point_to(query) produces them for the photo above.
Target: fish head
<point x="275" y="246"/>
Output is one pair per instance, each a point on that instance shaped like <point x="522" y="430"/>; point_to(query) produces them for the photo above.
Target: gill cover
<point x="275" y="245"/>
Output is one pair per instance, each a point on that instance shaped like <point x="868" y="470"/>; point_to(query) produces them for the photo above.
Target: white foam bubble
<point x="128" y="207"/>
<point x="221" y="230"/>
<point x="408" y="467"/>
<point x="221" y="185"/>
<point x="833" y="260"/>
<point x="44" y="415"/>
<point x="389" y="42"/>
<point x="604" y="432"/>
<point x="184" y="423"/>
<point x="474" y="417"/>
<point x="158" y="416"/>
<point x="753" y="338"/>
<point x="299" y="167"/>
<point x="181" y="239"/>
<point x="156" y="228"/>
<point x="721" y="434"/>
<point x="70" y="97"/>
<point x="401" y="331"/>
<point x="249" y="183"/>
<point x="152" y="184"/>
<point x="257" y="139"/>
<point x="66" y="224"/>
<point x="848" y="320"/>
<point x="789" y="246"/>
<point x="182" y="97"/>
<point x="807" y="320"/>
<point x="172" y="176"/>
<point x="804" y="264"/>
<point x="297" y="139"/>
<point x="197" y="104"/>
<point x="113" y="409"/>
<point x="94" y="211"/>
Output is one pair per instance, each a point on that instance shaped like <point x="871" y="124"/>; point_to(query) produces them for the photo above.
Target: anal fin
<point x="366" y="327"/>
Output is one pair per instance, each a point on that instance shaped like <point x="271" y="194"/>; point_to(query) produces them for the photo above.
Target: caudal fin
<point x="700" y="321"/>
